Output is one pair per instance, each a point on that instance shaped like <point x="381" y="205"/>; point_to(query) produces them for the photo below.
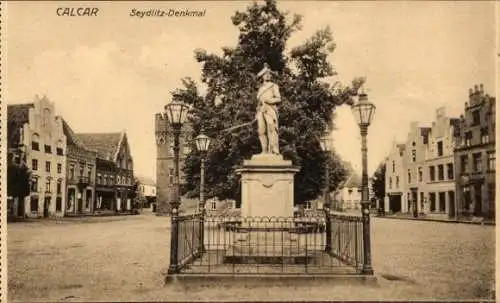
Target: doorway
<point x="478" y="199"/>
<point x="395" y="203"/>
<point x="46" y="207"/>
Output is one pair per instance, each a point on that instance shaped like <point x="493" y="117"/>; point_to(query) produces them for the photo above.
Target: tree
<point x="18" y="181"/>
<point x="378" y="182"/>
<point x="306" y="110"/>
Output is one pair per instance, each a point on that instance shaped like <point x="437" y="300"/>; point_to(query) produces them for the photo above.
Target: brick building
<point x="114" y="174"/>
<point x="81" y="173"/>
<point x="165" y="159"/>
<point x="36" y="137"/>
<point x="475" y="159"/>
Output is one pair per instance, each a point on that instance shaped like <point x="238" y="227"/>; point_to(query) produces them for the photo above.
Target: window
<point x="485" y="138"/>
<point x="390" y="182"/>
<point x="213" y="205"/>
<point x="393" y="166"/>
<point x="171" y="176"/>
<point x="81" y="170"/>
<point x="35" y="145"/>
<point x="477" y="162"/>
<point x="99" y="179"/>
<point x="34" y="203"/>
<point x="421" y="200"/>
<point x="34" y="164"/>
<point x="409" y="176"/>
<point x="171" y="149"/>
<point x="425" y="138"/>
<point x="420" y="174"/>
<point x="475" y="117"/>
<point x="432" y="173"/>
<point x="464" y="163"/>
<point x="413" y="155"/>
<point x="105" y="180"/>
<point x="59" y="151"/>
<point x="397" y="181"/>
<point x="440" y="172"/>
<point x="47" y="166"/>
<point x="440" y="148"/>
<point x="34" y="185"/>
<point x="491" y="161"/>
<point x="47" y="186"/>
<point x="89" y="173"/>
<point x="307" y="205"/>
<point x="468" y="138"/>
<point x="59" y="168"/>
<point x="59" y="187"/>
<point x="449" y="168"/>
<point x="432" y="200"/>
<point x="72" y="171"/>
<point x="48" y="149"/>
<point x="58" y="204"/>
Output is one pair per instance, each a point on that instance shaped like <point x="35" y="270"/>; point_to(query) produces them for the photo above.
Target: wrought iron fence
<point x="189" y="229"/>
<point x="347" y="239"/>
<point x="314" y="243"/>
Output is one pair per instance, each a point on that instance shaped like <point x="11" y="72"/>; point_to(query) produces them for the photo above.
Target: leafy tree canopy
<point x="18" y="180"/>
<point x="378" y="182"/>
<point x="305" y="113"/>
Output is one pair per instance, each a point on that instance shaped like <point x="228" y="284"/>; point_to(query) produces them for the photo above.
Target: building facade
<point x="348" y="195"/>
<point x="147" y="188"/>
<point x="165" y="160"/>
<point x="80" y="175"/>
<point x="36" y="136"/>
<point x="438" y="194"/>
<point x="114" y="175"/>
<point x="475" y="159"/>
<point x="395" y="200"/>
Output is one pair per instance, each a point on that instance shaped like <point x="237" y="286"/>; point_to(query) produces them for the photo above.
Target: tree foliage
<point x="18" y="180"/>
<point x="378" y="182"/>
<point x="305" y="113"/>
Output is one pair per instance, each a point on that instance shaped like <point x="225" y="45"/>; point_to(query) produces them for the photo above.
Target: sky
<point x="113" y="72"/>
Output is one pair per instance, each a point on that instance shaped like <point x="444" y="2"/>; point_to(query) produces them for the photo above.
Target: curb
<point x="438" y="220"/>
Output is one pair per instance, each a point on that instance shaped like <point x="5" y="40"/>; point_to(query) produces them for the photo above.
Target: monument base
<point x="267" y="186"/>
<point x="267" y="247"/>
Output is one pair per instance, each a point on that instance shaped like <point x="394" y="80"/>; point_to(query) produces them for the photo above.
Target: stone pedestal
<point x="267" y="208"/>
<point x="267" y="186"/>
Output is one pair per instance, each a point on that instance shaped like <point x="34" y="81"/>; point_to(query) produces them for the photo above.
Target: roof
<point x="71" y="137"/>
<point x="17" y="116"/>
<point x="353" y="181"/>
<point x="146" y="180"/>
<point x="106" y="144"/>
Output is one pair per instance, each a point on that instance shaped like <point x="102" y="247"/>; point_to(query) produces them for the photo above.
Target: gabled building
<point x="36" y="138"/>
<point x="475" y="160"/>
<point x="396" y="187"/>
<point x="165" y="159"/>
<point x="80" y="174"/>
<point x="348" y="195"/>
<point x="438" y="194"/>
<point x="114" y="177"/>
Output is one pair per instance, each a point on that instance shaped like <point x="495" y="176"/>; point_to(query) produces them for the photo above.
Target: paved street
<point x="122" y="258"/>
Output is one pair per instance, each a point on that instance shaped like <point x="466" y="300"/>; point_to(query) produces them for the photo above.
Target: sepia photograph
<point x="248" y="150"/>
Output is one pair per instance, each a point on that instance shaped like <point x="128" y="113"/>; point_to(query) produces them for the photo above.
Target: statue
<point x="268" y="97"/>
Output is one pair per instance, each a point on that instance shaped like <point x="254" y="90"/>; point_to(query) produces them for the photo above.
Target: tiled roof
<point x="106" y="144"/>
<point x="71" y="137"/>
<point x="17" y="115"/>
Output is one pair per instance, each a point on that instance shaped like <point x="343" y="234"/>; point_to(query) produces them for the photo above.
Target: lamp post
<point x="202" y="143"/>
<point x="363" y="113"/>
<point x="176" y="113"/>
<point x="325" y="143"/>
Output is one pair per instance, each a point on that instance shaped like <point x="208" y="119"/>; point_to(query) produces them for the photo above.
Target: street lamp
<point x="176" y="113"/>
<point x="202" y="143"/>
<point x="326" y="142"/>
<point x="363" y="113"/>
